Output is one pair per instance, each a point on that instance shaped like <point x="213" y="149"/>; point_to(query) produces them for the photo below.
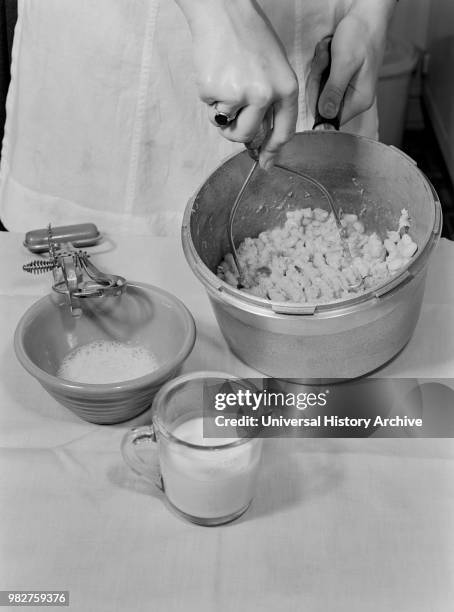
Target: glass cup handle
<point x="131" y="440"/>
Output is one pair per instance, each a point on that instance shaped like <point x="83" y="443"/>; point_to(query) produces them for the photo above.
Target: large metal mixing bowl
<point x="343" y="339"/>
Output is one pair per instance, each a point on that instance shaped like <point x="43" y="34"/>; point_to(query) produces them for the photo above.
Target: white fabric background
<point x="103" y="119"/>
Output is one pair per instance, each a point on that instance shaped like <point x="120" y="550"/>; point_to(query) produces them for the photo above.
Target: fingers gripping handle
<point x="255" y="145"/>
<point x="324" y="47"/>
<point x="142" y="436"/>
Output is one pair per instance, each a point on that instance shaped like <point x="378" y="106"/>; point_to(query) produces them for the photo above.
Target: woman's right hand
<point x="242" y="70"/>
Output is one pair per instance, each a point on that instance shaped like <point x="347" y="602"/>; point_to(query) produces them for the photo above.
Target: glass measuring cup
<point x="208" y="481"/>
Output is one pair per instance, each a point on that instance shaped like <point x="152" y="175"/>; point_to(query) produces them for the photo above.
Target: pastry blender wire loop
<point x="254" y="150"/>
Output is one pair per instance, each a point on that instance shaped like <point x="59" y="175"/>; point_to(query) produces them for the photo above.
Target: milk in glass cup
<point x="209" y="481"/>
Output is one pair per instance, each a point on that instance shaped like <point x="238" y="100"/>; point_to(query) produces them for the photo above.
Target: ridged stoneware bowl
<point x="144" y="315"/>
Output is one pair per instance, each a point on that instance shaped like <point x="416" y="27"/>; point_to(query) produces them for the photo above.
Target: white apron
<point x="103" y="119"/>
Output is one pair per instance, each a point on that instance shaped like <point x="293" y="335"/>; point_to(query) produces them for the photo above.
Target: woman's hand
<point x="242" y="71"/>
<point x="357" y="49"/>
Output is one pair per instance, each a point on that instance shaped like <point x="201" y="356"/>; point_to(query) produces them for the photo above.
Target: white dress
<point x="104" y="123"/>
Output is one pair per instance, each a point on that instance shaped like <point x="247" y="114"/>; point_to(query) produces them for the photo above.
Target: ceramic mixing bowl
<point x="144" y="315"/>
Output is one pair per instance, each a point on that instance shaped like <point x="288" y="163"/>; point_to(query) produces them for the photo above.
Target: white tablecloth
<point x="337" y="524"/>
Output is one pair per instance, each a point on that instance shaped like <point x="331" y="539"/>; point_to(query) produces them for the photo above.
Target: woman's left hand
<point x="357" y="49"/>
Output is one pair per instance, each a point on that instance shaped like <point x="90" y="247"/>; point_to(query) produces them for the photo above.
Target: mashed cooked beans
<point x="304" y="261"/>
